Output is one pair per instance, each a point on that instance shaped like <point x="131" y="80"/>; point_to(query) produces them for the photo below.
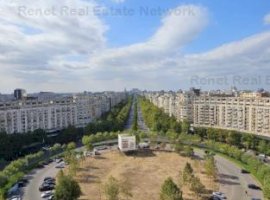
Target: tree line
<point x="113" y="121"/>
<point x="135" y="118"/>
<point x="235" y="138"/>
<point x="157" y="120"/>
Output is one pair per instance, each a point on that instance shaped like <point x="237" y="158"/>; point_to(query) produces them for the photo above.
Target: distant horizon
<point x="128" y="90"/>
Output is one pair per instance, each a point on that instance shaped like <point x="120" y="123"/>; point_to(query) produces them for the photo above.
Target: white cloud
<point x="267" y="19"/>
<point x="36" y="35"/>
<point x="69" y="52"/>
<point x="176" y="31"/>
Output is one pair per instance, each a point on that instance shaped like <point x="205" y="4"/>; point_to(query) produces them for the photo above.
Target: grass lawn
<point x="144" y="172"/>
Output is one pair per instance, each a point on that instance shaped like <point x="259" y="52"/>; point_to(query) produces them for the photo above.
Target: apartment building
<point x="247" y="113"/>
<point x="52" y="114"/>
<point x="25" y="116"/>
<point x="236" y="113"/>
<point x="178" y="104"/>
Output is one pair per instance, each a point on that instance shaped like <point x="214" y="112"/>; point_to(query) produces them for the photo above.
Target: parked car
<point x="46" y="187"/>
<point x="49" y="178"/>
<point x="21" y="184"/>
<point x="58" y="160"/>
<point x="46" y="194"/>
<point x="60" y="165"/>
<point x="218" y="195"/>
<point x="253" y="186"/>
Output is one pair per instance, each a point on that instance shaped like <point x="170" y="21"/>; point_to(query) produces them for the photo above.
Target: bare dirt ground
<point x="145" y="172"/>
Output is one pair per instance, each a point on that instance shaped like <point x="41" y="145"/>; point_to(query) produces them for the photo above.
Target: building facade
<point x="236" y="113"/>
<point x="247" y="113"/>
<point x="26" y="115"/>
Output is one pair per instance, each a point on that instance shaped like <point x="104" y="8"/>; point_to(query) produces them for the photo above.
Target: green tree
<point x="188" y="151"/>
<point x="262" y="147"/>
<point x="87" y="142"/>
<point x="170" y="191"/>
<point x="248" y="141"/>
<point x="172" y="136"/>
<point x="233" y="138"/>
<point x="185" y="126"/>
<point x="73" y="164"/>
<point x="67" y="188"/>
<point x="179" y="147"/>
<point x="112" y="189"/>
<point x="187" y="173"/>
<point x="210" y="167"/>
<point x="71" y="146"/>
<point x="196" y="186"/>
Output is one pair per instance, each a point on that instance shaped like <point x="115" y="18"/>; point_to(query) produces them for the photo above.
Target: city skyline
<point x="111" y="45"/>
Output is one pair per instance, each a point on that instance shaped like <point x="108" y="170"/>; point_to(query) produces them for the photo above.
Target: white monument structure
<point x="126" y="142"/>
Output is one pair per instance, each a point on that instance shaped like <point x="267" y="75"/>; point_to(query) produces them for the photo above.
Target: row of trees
<point x="188" y="178"/>
<point x="170" y="190"/>
<point x="157" y="120"/>
<point x="17" y="169"/>
<point x="241" y="140"/>
<point x="13" y="146"/>
<point x="89" y="140"/>
<point x="115" y="190"/>
<point x="115" y="120"/>
<point x="135" y="118"/>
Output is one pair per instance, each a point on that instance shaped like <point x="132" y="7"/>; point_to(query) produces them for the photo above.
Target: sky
<point x="98" y="45"/>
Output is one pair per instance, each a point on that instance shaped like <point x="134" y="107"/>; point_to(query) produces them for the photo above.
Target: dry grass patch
<point x="145" y="173"/>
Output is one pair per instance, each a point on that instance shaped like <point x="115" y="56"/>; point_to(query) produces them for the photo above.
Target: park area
<point x="143" y="173"/>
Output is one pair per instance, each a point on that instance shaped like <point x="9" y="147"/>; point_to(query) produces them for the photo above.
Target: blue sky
<point x="229" y="21"/>
<point x="52" y="45"/>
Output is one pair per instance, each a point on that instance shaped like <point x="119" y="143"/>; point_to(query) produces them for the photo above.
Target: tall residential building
<point x="236" y="113"/>
<point x="53" y="114"/>
<point x="248" y="113"/>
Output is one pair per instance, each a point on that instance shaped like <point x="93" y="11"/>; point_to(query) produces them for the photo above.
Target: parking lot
<point x="36" y="178"/>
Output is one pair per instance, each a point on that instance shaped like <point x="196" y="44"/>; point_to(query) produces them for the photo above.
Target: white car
<point x="60" y="165"/>
<point x="46" y="194"/>
<point x="219" y="195"/>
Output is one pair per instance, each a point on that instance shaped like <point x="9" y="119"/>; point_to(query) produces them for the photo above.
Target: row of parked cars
<point x="47" y="188"/>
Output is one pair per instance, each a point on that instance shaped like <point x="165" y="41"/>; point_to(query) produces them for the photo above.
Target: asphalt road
<point x="141" y="124"/>
<point x="36" y="177"/>
<point x="232" y="182"/>
<point x="130" y="117"/>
